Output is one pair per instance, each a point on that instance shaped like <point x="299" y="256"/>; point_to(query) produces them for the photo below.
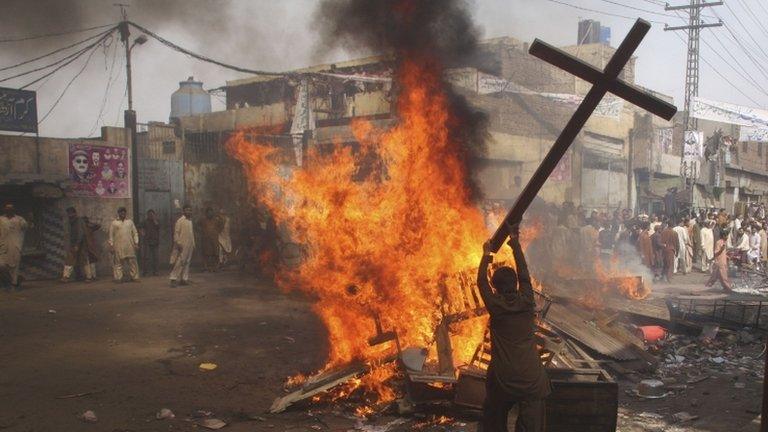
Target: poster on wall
<point x="562" y="171"/>
<point x="99" y="172"/>
<point x="693" y="148"/>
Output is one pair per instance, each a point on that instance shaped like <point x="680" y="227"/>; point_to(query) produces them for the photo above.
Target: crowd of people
<point x="706" y="240"/>
<point x="125" y="242"/>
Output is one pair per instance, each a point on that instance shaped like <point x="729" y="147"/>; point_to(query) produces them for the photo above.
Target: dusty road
<point x="127" y="351"/>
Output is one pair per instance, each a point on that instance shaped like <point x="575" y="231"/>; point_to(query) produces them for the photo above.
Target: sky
<point x="283" y="35"/>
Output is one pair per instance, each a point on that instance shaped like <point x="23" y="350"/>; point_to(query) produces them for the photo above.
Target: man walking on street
<point x="123" y="242"/>
<point x="183" y="246"/>
<point x="515" y="374"/>
<point x="151" y="242"/>
<point x="720" y="264"/>
<point x="12" y="229"/>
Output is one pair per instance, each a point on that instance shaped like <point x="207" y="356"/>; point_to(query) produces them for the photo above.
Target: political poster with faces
<point x="99" y="171"/>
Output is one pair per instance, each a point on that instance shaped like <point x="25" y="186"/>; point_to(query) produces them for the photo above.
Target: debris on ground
<point x="165" y="414"/>
<point x="206" y="367"/>
<point x="211" y="423"/>
<point x="89" y="417"/>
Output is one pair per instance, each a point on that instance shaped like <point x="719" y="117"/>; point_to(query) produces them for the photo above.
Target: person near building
<point x="150" y="231"/>
<point x="682" y="262"/>
<point x="753" y="255"/>
<point x="694" y="233"/>
<point x="77" y="250"/>
<point x="12" y="230"/>
<point x="210" y="227"/>
<point x="645" y="245"/>
<point x="91" y="245"/>
<point x="123" y="243"/>
<point x="225" y="238"/>
<point x="707" y="245"/>
<point x="515" y="374"/>
<point x="183" y="246"/>
<point x="671" y="244"/>
<point x="658" y="253"/>
<point x="763" y="242"/>
<point x="720" y="264"/>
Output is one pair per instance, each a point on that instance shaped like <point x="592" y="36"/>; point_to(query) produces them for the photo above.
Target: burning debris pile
<point x="391" y="225"/>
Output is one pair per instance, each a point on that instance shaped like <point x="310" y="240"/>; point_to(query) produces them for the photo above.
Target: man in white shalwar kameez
<point x="754" y="247"/>
<point x="183" y="246"/>
<point x="123" y="242"/>
<point x="707" y="245"/>
<point x="12" y="228"/>
<point x="681" y="263"/>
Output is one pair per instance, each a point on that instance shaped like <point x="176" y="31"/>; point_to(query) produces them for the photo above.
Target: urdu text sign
<point x="18" y="110"/>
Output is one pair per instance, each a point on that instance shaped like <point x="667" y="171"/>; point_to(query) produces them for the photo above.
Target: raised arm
<point x="482" y="276"/>
<point x="523" y="276"/>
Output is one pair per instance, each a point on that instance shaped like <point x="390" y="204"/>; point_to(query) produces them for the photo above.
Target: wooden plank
<point x="317" y="384"/>
<point x="577" y="324"/>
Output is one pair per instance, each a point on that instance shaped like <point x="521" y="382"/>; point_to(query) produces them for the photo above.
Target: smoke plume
<point x="438" y="34"/>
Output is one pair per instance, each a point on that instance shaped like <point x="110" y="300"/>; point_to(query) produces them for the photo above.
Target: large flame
<point x="383" y="223"/>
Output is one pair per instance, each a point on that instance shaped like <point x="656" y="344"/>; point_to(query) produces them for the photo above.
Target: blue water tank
<point x="190" y="99"/>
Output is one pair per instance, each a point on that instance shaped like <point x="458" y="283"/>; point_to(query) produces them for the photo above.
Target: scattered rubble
<point x="89" y="417"/>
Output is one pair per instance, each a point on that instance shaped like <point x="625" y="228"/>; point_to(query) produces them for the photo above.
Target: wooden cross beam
<point x="603" y="82"/>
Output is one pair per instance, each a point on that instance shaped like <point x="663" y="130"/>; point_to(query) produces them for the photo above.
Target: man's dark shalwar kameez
<point x="515" y="375"/>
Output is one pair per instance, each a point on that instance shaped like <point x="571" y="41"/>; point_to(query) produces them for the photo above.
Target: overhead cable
<point x="202" y="57"/>
<point x="26" y="38"/>
<point x="56" y="51"/>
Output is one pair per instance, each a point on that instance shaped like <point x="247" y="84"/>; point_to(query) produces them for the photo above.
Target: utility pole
<point x="688" y="168"/>
<point x="129" y="117"/>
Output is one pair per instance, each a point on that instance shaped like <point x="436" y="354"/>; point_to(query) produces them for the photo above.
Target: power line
<point x="26" y="38"/>
<point x="720" y="74"/>
<point x="600" y="12"/>
<point x="753" y="16"/>
<point x="759" y="47"/>
<point x="66" y="60"/>
<point x="746" y="75"/>
<point x="110" y="81"/>
<point x="76" y="56"/>
<point x="77" y="75"/>
<point x="55" y="51"/>
<point x="636" y="8"/>
<point x="202" y="57"/>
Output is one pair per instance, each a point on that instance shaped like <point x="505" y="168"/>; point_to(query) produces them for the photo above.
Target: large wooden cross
<point x="603" y="82"/>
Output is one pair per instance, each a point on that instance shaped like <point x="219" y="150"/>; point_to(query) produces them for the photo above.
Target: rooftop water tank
<point x="190" y="99"/>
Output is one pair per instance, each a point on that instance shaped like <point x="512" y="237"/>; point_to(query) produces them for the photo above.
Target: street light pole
<point x="130" y="115"/>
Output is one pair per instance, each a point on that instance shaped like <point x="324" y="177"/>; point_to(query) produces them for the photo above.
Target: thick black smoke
<point x="211" y="25"/>
<point x="439" y="31"/>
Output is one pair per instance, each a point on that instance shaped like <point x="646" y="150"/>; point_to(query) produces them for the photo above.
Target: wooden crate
<point x="582" y="400"/>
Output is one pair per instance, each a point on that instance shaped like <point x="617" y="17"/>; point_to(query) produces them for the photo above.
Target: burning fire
<point x="380" y="236"/>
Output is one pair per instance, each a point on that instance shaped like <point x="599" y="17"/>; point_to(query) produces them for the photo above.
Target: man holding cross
<point x="515" y="374"/>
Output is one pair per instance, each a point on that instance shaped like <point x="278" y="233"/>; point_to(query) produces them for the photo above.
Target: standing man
<point x="681" y="263"/>
<point x="707" y="245"/>
<point x="123" y="242"/>
<point x="151" y="232"/>
<point x="671" y="245"/>
<point x="210" y="228"/>
<point x="77" y="254"/>
<point x="12" y="229"/>
<point x="225" y="239"/>
<point x="183" y="246"/>
<point x="645" y="245"/>
<point x="515" y="374"/>
<point x="720" y="265"/>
